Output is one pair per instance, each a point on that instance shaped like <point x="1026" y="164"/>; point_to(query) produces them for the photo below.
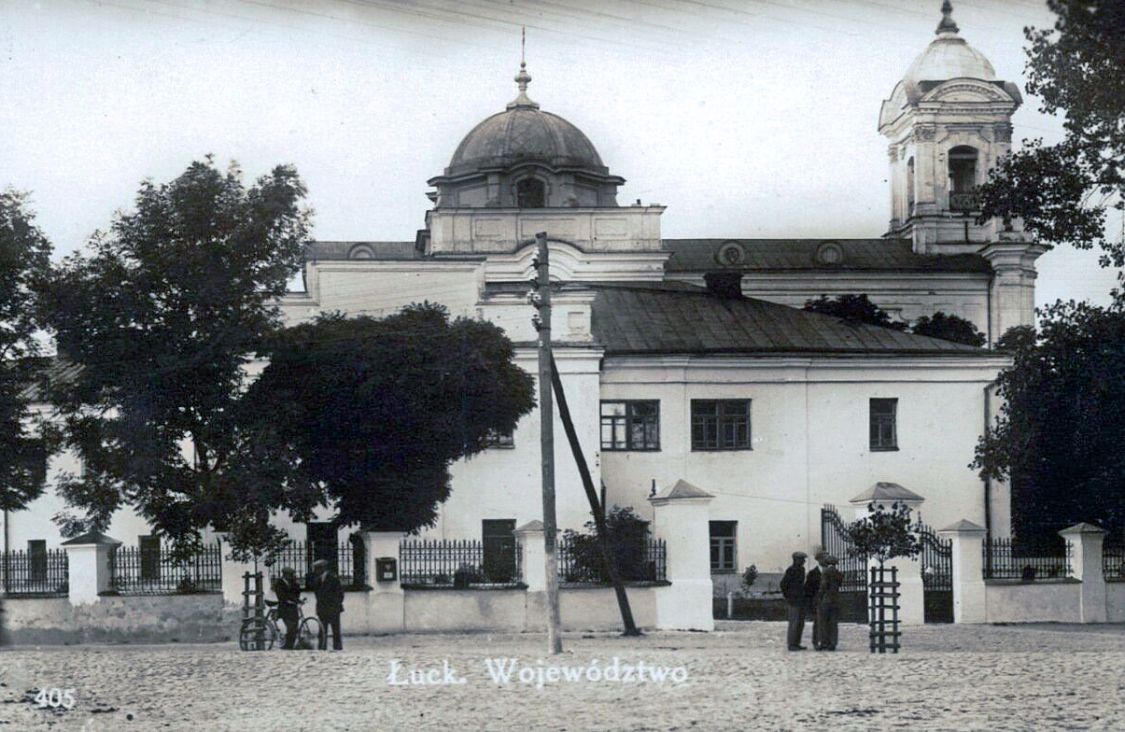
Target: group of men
<point x="329" y="604"/>
<point x="818" y="593"/>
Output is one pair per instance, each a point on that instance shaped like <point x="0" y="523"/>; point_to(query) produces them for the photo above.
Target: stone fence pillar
<point x="1085" y="542"/>
<point x="912" y="597"/>
<point x="233" y="583"/>
<point x="532" y="569"/>
<point x="967" y="541"/>
<point x="681" y="516"/>
<point x="386" y="610"/>
<point x="87" y="558"/>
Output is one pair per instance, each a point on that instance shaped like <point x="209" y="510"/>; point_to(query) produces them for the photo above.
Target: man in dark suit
<point x="329" y="603"/>
<point x="793" y="589"/>
<point x="828" y="604"/>
<point x="812" y="587"/>
<point x="288" y="594"/>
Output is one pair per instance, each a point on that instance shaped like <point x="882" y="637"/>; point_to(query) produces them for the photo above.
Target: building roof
<point x="653" y="319"/>
<point x="320" y="251"/>
<point x="949" y="56"/>
<point x="883" y="491"/>
<point x="749" y="255"/>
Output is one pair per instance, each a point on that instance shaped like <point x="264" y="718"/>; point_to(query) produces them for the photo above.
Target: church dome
<point x="949" y="56"/>
<point x="524" y="133"/>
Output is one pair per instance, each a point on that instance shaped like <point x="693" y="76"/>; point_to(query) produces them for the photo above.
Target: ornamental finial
<point x="522" y="78"/>
<point x="946" y="25"/>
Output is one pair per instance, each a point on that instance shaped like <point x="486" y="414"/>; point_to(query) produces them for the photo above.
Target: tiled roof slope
<point x="319" y="251"/>
<point x="691" y="255"/>
<point x="652" y="320"/>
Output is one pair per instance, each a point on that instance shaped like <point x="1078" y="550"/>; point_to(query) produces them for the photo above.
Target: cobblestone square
<point x="739" y="677"/>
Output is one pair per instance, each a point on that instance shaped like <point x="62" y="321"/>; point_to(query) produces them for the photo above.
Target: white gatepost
<point x="1085" y="542"/>
<point x="386" y="610"/>
<point x="681" y="518"/>
<point x="967" y="541"/>
<point x="912" y="598"/>
<point x="87" y="558"/>
<point x="234" y="584"/>
<point x="533" y="568"/>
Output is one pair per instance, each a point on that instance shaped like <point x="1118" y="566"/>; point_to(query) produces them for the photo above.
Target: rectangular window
<point x="499" y="549"/>
<point x="503" y="440"/>
<point x="723" y="545"/>
<point x="37" y="560"/>
<point x="631" y="425"/>
<point x="720" y="424"/>
<point x="150" y="557"/>
<point x="884" y="435"/>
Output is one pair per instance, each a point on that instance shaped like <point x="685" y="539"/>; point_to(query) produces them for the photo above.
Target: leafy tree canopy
<point x="162" y="313"/>
<point x="1064" y="191"/>
<point x="950" y="328"/>
<point x="1058" y="433"/>
<point x="885" y="533"/>
<point x="24" y="271"/>
<point x="853" y="308"/>
<point x="373" y="411"/>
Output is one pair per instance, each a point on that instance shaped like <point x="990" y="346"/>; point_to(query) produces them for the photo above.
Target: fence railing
<point x="34" y="573"/>
<point x="461" y="563"/>
<point x="347" y="560"/>
<point x="580" y="560"/>
<point x="1113" y="562"/>
<point x="137" y="571"/>
<point x="1004" y="559"/>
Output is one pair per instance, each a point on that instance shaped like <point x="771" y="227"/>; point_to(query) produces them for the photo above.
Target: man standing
<point x="828" y="604"/>
<point x="812" y="588"/>
<point x="793" y="589"/>
<point x="329" y="603"/>
<point x="288" y="594"/>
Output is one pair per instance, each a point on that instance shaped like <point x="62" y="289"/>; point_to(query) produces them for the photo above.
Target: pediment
<point x="967" y="90"/>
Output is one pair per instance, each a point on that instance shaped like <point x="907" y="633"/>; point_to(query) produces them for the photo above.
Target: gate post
<point x="680" y="518"/>
<point x="386" y="609"/>
<point x="87" y="559"/>
<point x="968" y="576"/>
<point x="1085" y="551"/>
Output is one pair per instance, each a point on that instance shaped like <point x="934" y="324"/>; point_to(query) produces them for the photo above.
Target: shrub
<point x="749" y="576"/>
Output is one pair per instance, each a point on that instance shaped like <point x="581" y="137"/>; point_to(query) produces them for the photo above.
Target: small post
<point x="1086" y="559"/>
<point x="730" y="605"/>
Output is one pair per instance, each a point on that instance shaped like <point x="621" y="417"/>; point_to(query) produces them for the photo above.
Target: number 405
<point x="55" y="698"/>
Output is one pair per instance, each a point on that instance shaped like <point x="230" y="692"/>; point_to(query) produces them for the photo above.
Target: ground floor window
<point x="723" y="548"/>
<point x="150" y="556"/>
<point x="37" y="559"/>
<point x="498" y="541"/>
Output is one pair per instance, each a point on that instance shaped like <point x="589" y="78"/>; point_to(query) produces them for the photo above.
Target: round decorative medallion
<point x="731" y="254"/>
<point x="830" y="252"/>
<point x="361" y="251"/>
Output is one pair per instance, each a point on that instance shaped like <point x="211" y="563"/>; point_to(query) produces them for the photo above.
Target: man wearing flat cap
<point x="812" y="590"/>
<point x="793" y="589"/>
<point x="828" y="604"/>
<point x="329" y="603"/>
<point x="288" y="593"/>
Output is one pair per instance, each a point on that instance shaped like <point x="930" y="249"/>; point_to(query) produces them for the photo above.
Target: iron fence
<point x="937" y="560"/>
<point x="1113" y="562"/>
<point x="347" y="560"/>
<point x="155" y="571"/>
<point x="34" y="573"/>
<point x="641" y="560"/>
<point x="459" y="563"/>
<point x="834" y="539"/>
<point x="1005" y="559"/>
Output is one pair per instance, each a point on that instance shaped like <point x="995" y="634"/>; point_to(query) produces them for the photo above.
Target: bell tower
<point x="947" y="123"/>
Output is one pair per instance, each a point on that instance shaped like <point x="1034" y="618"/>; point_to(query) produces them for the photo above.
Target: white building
<point x="687" y="359"/>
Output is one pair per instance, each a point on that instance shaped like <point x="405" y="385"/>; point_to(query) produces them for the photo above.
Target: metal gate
<point x="937" y="575"/>
<point x="834" y="539"/>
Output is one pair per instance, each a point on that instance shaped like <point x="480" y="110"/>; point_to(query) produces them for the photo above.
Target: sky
<point x="746" y="118"/>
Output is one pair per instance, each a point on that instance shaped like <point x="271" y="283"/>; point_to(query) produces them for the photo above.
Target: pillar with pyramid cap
<point x="680" y="517"/>
<point x="912" y="599"/>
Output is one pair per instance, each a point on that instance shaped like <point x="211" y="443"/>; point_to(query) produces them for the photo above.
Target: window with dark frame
<point x="149" y="547"/>
<point x="37" y="559"/>
<point x="498" y="549"/>
<point x="723" y="547"/>
<point x="884" y="432"/>
<point x="720" y="424"/>
<point x="502" y="440"/>
<point x="631" y="424"/>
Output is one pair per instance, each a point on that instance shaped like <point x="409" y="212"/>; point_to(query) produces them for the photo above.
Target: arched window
<point x="962" y="178"/>
<point x="531" y="193"/>
<point x="910" y="187"/>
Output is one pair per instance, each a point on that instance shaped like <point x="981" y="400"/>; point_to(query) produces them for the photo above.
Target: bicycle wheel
<point x="308" y="634"/>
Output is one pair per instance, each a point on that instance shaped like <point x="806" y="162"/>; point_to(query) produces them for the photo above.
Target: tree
<point x="626" y="532"/>
<point x="1057" y="435"/>
<point x="949" y="328"/>
<point x="373" y="412"/>
<point x="163" y="314"/>
<point x="853" y="308"/>
<point x="24" y="271"/>
<point x="884" y="533"/>
<point x="1064" y="191"/>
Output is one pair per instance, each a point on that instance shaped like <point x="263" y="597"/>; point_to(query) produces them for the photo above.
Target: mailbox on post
<point x="386" y="569"/>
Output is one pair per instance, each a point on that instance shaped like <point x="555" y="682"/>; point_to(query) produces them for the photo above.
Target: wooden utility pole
<point x="542" y="321"/>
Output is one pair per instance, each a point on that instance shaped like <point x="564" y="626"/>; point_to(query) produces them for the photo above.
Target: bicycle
<point x="263" y="634"/>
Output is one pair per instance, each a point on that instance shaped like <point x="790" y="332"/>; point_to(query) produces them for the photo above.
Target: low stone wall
<point x="1033" y="602"/>
<point x="120" y="619"/>
<point x="1115" y="602"/>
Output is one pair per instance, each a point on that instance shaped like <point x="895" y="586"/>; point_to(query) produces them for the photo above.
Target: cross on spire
<point x="522" y="78"/>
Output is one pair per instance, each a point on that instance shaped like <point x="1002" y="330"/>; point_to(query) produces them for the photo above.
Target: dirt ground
<point x="739" y="677"/>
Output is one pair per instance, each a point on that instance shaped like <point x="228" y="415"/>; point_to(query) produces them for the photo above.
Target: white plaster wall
<point x="1016" y="602"/>
<point x="1115" y="602"/>
<point x="810" y="442"/>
